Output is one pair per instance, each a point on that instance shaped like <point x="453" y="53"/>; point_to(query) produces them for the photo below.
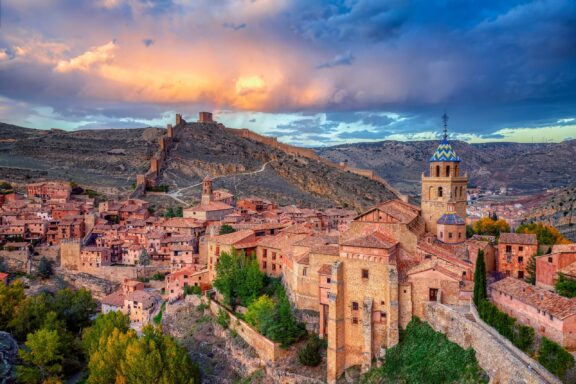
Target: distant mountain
<point x="527" y="168"/>
<point x="110" y="159"/>
<point x="558" y="209"/>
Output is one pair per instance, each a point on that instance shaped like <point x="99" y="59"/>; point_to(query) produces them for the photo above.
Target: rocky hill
<point x="110" y="159"/>
<point x="527" y="168"/>
<point x="558" y="209"/>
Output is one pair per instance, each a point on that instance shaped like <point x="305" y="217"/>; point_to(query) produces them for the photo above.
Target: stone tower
<point x="444" y="189"/>
<point x="206" y="190"/>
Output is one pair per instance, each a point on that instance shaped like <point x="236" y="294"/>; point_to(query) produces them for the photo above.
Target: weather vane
<point x="445" y="118"/>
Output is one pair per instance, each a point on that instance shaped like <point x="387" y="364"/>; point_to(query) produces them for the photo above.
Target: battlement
<point x="205" y="117"/>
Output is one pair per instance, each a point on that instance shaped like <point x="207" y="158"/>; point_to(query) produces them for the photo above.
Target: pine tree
<point x="480" y="279"/>
<point x="531" y="271"/>
<point x="144" y="258"/>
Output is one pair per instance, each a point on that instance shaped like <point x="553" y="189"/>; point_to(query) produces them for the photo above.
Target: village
<point x="360" y="277"/>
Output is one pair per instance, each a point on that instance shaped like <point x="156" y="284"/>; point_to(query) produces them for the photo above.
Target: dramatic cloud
<point x="309" y="72"/>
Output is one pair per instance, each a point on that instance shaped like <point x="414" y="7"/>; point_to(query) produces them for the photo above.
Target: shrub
<point x="158" y="277"/>
<point x="555" y="358"/>
<point x="45" y="268"/>
<point x="310" y="355"/>
<point x="223" y="318"/>
<point x="226" y="229"/>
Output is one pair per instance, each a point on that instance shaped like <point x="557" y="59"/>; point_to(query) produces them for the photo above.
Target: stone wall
<point x="501" y="360"/>
<point x="267" y="350"/>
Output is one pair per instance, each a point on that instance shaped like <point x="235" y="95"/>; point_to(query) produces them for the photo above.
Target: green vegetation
<point x="122" y="357"/>
<point x="531" y="270"/>
<point x="157" y="188"/>
<point x="158" y="318"/>
<point x="490" y="227"/>
<point x="311" y="354"/>
<point x="555" y="358"/>
<point x="48" y="325"/>
<point x="520" y="335"/>
<point x="6" y="188"/>
<point x="45" y="268"/>
<point x="238" y="279"/>
<point x="426" y="356"/>
<point x="565" y="286"/>
<point x="546" y="234"/>
<point x="223" y="318"/>
<point x="144" y="258"/>
<point x="158" y="276"/>
<point x="226" y="229"/>
<point x="192" y="290"/>
<point x="3" y="265"/>
<point x="171" y="212"/>
<point x="480" y="279"/>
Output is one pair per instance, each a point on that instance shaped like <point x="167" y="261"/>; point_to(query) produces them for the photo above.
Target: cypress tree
<point x="480" y="279"/>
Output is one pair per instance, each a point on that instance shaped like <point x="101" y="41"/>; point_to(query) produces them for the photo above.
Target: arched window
<point x="447" y="171"/>
<point x="439" y="191"/>
<point x="437" y="171"/>
<point x="461" y="191"/>
<point x="456" y="170"/>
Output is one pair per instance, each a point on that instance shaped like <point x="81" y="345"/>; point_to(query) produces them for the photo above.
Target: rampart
<point x="501" y="360"/>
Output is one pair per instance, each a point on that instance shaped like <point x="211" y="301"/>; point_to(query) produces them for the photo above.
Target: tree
<point x="546" y="234"/>
<point x="226" y="229"/>
<point x="10" y="297"/>
<point x="30" y="314"/>
<point x="284" y="329"/>
<point x="227" y="271"/>
<point x="102" y="328"/>
<point x="250" y="282"/>
<point x="179" y="212"/>
<point x="105" y="360"/>
<point x="45" y="268"/>
<point x="260" y="313"/>
<point x="3" y="265"/>
<point x="531" y="270"/>
<point x="310" y="355"/>
<point x="42" y="357"/>
<point x="565" y="286"/>
<point x="75" y="308"/>
<point x="480" y="279"/>
<point x="489" y="226"/>
<point x="144" y="258"/>
<point x="555" y="358"/>
<point x="494" y="216"/>
<point x="169" y="213"/>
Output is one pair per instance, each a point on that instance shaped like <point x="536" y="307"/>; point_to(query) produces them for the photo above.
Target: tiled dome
<point x="444" y="152"/>
<point x="451" y="219"/>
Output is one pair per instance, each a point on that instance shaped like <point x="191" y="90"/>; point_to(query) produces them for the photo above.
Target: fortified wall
<point x="501" y="360"/>
<point x="311" y="154"/>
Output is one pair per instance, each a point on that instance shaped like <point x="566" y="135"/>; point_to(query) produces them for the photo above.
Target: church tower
<point x="444" y="189"/>
<point x="207" y="196"/>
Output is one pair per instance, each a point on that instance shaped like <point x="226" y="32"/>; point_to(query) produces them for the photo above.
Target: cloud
<point x="235" y="27"/>
<point x="147" y="42"/>
<point x="339" y="60"/>
<point x="89" y="59"/>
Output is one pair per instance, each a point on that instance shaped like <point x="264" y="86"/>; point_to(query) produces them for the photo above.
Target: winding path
<point x="178" y="193"/>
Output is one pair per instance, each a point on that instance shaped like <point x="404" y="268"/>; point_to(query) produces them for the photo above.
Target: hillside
<point x="528" y="168"/>
<point x="110" y="159"/>
<point x="559" y="210"/>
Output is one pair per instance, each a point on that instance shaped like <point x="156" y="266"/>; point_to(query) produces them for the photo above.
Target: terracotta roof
<point x="325" y="269"/>
<point x="317" y="240"/>
<point x="94" y="249"/>
<point x="332" y="250"/>
<point x="180" y="222"/>
<point x="536" y="297"/>
<point x="140" y="296"/>
<point x="232" y="238"/>
<point x="212" y="206"/>
<point x="373" y="240"/>
<point x="281" y="241"/>
<point x="564" y="248"/>
<point x="401" y="211"/>
<point x="437" y="265"/>
<point x="3" y="275"/>
<point x="115" y="299"/>
<point x="518" y="238"/>
<point x="569" y="270"/>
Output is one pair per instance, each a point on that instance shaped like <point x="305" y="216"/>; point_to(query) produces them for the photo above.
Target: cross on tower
<point x="445" y="118"/>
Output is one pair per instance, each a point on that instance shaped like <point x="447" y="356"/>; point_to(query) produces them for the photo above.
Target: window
<point x="273" y="266"/>
<point x="264" y="253"/>
<point x="273" y="255"/>
<point x="439" y="191"/>
<point x="364" y="273"/>
<point x="520" y="274"/>
<point x="520" y="248"/>
<point x="508" y="248"/>
<point x="328" y="280"/>
<point x="304" y="271"/>
<point x="520" y="259"/>
<point x="463" y="273"/>
<point x="427" y="256"/>
<point x="437" y="171"/>
<point x="354" y="320"/>
<point x="354" y="305"/>
<point x="449" y="235"/>
<point x="263" y="265"/>
<point x="459" y="235"/>
<point x="549" y="259"/>
<point x="382" y="301"/>
<point x="447" y="171"/>
<point x="441" y="235"/>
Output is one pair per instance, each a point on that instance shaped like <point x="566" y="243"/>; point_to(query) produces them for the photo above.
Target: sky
<point x="312" y="73"/>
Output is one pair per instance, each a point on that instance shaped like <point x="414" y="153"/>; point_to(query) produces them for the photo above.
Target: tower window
<point x="447" y="171"/>
<point x="439" y="191"/>
<point x="437" y="171"/>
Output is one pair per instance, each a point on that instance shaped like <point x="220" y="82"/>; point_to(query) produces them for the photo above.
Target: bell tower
<point x="444" y="189"/>
<point x="207" y="191"/>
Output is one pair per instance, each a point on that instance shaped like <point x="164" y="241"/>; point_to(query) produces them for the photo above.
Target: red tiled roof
<point x="373" y="240"/>
<point x="212" y="206"/>
<point x="332" y="250"/>
<point x="180" y="222"/>
<point x="564" y="248"/>
<point x="115" y="299"/>
<point x="232" y="238"/>
<point x="536" y="297"/>
<point x="325" y="269"/>
<point x="518" y="238"/>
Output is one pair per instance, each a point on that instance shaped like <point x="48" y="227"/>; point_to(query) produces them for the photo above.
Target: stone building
<point x="514" y="252"/>
<point x="562" y="259"/>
